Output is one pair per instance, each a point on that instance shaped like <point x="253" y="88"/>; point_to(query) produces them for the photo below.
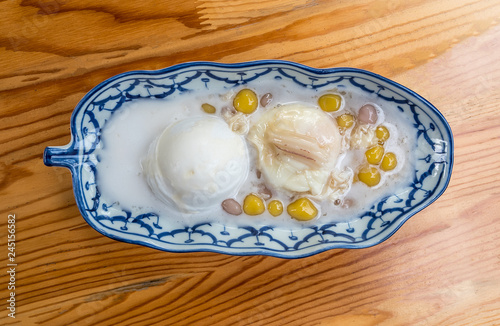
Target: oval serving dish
<point x="433" y="166"/>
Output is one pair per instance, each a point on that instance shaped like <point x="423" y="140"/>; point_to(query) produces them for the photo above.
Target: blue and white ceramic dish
<point x="430" y="178"/>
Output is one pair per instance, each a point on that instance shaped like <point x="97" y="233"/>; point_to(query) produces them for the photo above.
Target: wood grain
<point x="441" y="268"/>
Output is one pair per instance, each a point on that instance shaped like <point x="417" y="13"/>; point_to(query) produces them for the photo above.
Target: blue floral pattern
<point x="431" y="177"/>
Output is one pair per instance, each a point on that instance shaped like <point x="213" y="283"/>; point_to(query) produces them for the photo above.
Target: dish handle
<point x="65" y="156"/>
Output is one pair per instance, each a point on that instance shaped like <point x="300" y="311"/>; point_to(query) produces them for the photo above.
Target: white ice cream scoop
<point x="196" y="163"/>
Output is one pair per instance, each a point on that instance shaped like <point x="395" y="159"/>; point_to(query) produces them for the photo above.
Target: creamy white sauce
<point x="129" y="133"/>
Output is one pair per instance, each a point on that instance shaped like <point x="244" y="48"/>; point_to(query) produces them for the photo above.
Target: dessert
<point x="271" y="154"/>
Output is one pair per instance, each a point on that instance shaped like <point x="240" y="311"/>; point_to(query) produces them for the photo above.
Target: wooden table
<point x="441" y="268"/>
